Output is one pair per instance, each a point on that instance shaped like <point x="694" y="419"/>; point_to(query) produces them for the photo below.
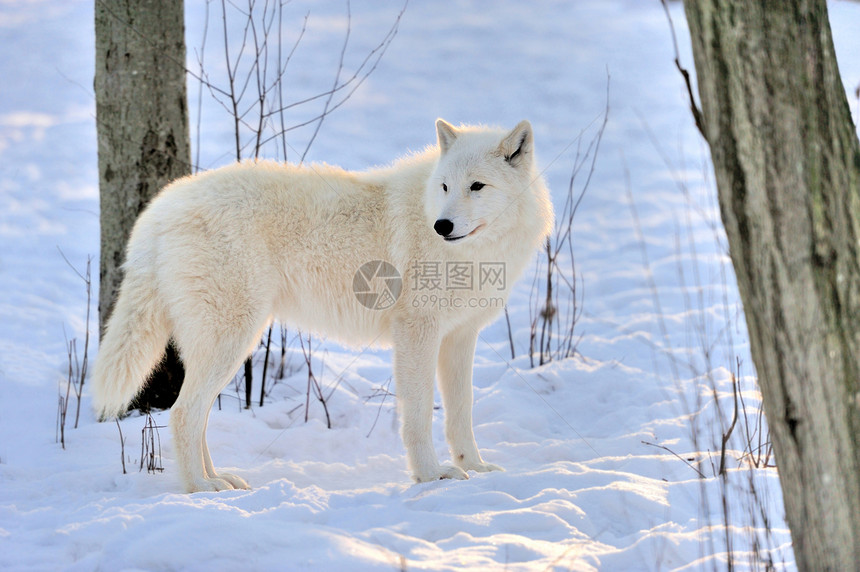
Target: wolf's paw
<point x="223" y="482"/>
<point x="442" y="472"/>
<point x="236" y="481"/>
<point x="475" y="463"/>
<point x="483" y="467"/>
<point x="209" y="484"/>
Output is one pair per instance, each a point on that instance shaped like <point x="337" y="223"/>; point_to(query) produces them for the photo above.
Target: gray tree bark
<point x="787" y="166"/>
<point x="143" y="136"/>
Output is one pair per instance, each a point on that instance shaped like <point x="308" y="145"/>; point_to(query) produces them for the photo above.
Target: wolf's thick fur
<point x="216" y="256"/>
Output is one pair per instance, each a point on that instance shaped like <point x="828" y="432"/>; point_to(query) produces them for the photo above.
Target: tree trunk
<point x="143" y="139"/>
<point x="787" y="167"/>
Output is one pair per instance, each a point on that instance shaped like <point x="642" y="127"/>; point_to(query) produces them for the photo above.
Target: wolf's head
<point x="484" y="182"/>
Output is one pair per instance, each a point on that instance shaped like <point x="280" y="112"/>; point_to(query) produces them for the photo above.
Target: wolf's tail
<point x="133" y="343"/>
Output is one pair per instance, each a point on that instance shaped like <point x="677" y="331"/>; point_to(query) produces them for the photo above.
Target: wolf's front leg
<point x="416" y="347"/>
<point x="456" y="357"/>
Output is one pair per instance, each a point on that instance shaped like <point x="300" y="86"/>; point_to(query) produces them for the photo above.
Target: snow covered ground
<point x="603" y="451"/>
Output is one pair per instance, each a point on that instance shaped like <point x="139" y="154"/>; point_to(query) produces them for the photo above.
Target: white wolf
<point x="420" y="255"/>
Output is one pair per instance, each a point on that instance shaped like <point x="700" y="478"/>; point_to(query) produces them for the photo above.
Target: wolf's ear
<point x="517" y="146"/>
<point x="446" y="133"/>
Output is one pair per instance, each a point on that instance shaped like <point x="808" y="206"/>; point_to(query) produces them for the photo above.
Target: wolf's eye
<point x="444" y="187"/>
<point x="476" y="186"/>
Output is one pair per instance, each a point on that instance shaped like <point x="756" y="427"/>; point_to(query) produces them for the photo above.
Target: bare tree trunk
<point x="787" y="166"/>
<point x="143" y="138"/>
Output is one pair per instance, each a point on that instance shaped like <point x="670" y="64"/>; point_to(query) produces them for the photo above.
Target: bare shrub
<point x="150" y="446"/>
<point x="77" y="371"/>
<point x="555" y="301"/>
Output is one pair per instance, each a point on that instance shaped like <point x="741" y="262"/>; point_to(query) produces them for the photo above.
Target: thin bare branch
<point x="694" y="107"/>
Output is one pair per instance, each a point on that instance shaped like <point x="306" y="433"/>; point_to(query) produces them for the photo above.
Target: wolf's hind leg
<point x="236" y="481"/>
<point x="188" y="420"/>
<point x="209" y="366"/>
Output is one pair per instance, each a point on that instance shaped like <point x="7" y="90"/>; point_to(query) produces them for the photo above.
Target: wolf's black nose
<point x="443" y="227"/>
